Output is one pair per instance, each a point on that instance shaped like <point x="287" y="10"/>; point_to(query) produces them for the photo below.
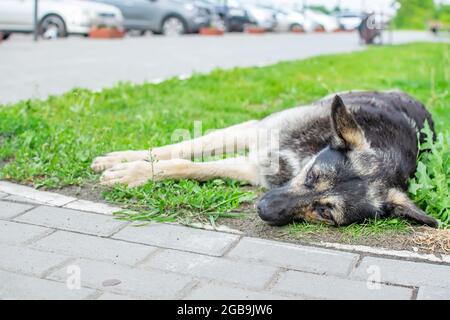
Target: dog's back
<point x="390" y="122"/>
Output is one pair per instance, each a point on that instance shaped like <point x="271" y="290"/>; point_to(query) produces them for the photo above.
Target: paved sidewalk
<point x="57" y="247"/>
<point x="36" y="70"/>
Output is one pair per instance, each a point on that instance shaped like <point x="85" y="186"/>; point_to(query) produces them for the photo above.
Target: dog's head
<point x="343" y="184"/>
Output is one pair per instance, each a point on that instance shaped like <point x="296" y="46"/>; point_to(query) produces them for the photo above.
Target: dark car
<point x="169" y="17"/>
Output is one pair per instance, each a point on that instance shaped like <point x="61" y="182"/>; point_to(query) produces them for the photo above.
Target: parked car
<point x="321" y="21"/>
<point x="262" y="16"/>
<point x="232" y="13"/>
<point x="349" y="20"/>
<point x="168" y="17"/>
<point x="290" y="20"/>
<point x="56" y="18"/>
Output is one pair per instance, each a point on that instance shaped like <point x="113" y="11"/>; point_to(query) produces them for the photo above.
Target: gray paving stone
<point x="9" y="210"/>
<point x="330" y="287"/>
<point x="93" y="247"/>
<point x="23" y="200"/>
<point x="72" y="220"/>
<point x="294" y="256"/>
<point x="405" y="272"/>
<point x="29" y="261"/>
<point x="133" y="281"/>
<point x="178" y="237"/>
<point x="216" y="291"/>
<point x="19" y="233"/>
<point x="246" y="274"/>
<point x="14" y="286"/>
<point x="433" y="293"/>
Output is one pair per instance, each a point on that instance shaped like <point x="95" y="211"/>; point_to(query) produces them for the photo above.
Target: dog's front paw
<point x="111" y="159"/>
<point x="132" y="174"/>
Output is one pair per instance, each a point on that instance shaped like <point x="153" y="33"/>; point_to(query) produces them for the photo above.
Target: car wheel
<point x="52" y="27"/>
<point x="319" y="28"/>
<point x="173" y="26"/>
<point x="296" y="28"/>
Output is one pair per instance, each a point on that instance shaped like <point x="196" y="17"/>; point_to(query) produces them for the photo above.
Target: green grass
<point x="415" y="14"/>
<point x="353" y="232"/>
<point x="186" y="201"/>
<point x="52" y="143"/>
<point x="430" y="186"/>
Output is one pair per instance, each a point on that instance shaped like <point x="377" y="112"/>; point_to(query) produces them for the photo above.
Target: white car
<point x="349" y="20"/>
<point x="290" y="20"/>
<point x="262" y="17"/>
<point x="57" y="18"/>
<point x="321" y="20"/>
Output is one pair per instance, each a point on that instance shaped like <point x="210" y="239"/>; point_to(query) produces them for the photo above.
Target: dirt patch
<point x="92" y="192"/>
<point x="415" y="238"/>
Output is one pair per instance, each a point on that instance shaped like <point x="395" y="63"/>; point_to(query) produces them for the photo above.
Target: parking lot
<point x="36" y="70"/>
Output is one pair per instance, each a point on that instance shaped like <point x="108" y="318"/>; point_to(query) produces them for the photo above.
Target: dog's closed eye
<point x="324" y="211"/>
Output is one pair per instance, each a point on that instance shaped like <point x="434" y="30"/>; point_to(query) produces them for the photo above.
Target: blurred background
<point x="51" y="46"/>
<point x="52" y="19"/>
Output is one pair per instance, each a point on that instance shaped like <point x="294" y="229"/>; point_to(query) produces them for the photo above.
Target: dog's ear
<point x="399" y="205"/>
<point x="348" y="134"/>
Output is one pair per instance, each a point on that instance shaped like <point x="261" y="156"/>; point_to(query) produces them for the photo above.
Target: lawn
<point x="50" y="144"/>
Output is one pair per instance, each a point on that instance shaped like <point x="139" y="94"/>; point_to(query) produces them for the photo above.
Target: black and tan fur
<point x="340" y="160"/>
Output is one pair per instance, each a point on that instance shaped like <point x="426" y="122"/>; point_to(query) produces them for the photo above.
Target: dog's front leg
<point x="231" y="139"/>
<point x="132" y="173"/>
<point x="139" y="172"/>
<point x="111" y="159"/>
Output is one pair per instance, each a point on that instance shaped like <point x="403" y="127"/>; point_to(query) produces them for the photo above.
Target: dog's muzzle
<point x="276" y="207"/>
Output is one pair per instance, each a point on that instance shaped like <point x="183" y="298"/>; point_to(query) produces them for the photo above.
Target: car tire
<point x="52" y="27"/>
<point x="173" y="26"/>
<point x="319" y="28"/>
<point x="296" y="27"/>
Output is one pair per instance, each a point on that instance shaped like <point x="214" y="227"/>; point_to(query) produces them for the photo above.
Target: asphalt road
<point x="37" y="70"/>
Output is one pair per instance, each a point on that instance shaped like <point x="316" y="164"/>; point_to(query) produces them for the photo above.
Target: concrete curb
<point x="415" y="256"/>
<point x="32" y="195"/>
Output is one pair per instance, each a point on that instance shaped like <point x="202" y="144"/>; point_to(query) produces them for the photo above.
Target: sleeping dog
<point x="339" y="160"/>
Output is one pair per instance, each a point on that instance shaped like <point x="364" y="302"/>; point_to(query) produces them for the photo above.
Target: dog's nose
<point x="275" y="207"/>
<point x="263" y="210"/>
